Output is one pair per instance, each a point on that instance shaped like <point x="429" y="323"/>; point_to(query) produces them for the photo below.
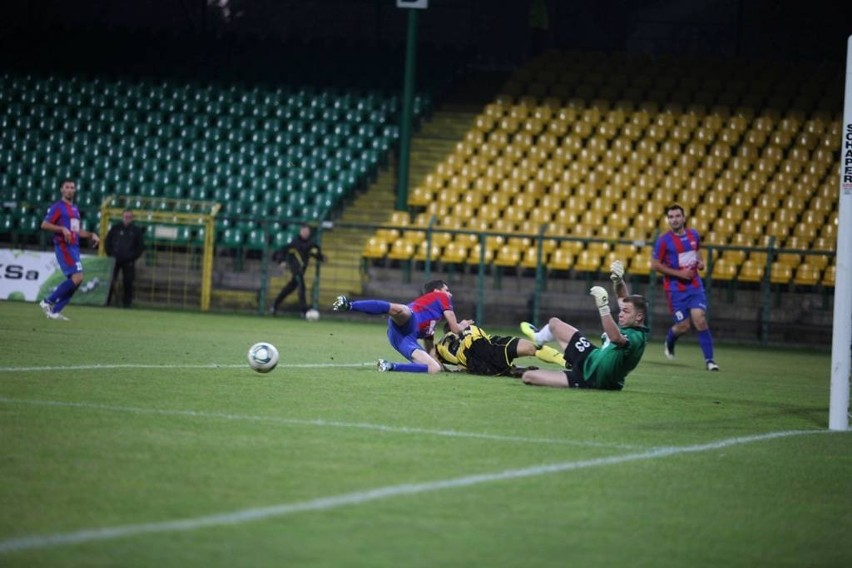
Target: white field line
<point x="315" y="422"/>
<point x="200" y="366"/>
<point x="362" y="497"/>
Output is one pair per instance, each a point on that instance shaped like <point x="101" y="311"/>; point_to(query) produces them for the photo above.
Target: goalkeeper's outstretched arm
<point x="616" y="274"/>
<point x="609" y="325"/>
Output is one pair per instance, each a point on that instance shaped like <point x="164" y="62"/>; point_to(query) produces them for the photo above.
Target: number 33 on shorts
<point x="582" y="344"/>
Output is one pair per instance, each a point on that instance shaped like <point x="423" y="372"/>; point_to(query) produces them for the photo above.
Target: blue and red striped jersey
<point x="65" y="215"/>
<point x="428" y="310"/>
<point x="678" y="251"/>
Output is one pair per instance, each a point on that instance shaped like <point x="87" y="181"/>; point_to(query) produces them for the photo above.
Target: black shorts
<point x="493" y="358"/>
<point x="578" y="349"/>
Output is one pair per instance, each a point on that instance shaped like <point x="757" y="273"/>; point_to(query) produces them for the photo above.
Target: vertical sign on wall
<point x="841" y="340"/>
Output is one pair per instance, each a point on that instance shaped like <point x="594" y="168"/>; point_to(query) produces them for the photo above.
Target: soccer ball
<point x="312" y="315"/>
<point x="262" y="357"/>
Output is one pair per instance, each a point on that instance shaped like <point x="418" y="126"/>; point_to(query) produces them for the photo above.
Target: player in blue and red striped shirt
<point x="410" y="323"/>
<point x="677" y="256"/>
<point x="63" y="220"/>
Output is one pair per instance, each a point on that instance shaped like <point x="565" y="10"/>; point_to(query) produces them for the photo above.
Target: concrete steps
<point x="343" y="273"/>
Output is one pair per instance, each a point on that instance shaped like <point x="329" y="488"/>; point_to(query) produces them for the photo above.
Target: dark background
<point x="191" y="36"/>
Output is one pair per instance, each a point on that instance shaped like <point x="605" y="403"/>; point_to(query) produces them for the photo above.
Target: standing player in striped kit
<point x="677" y="257"/>
<point x="63" y="220"/>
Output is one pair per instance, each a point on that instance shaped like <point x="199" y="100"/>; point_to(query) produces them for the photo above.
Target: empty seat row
<point x="604" y="169"/>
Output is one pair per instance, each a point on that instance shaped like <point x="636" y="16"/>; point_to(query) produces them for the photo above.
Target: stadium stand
<point x="752" y="157"/>
<point x="304" y="149"/>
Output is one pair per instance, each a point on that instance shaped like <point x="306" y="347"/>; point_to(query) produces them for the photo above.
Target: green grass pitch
<point x="141" y="438"/>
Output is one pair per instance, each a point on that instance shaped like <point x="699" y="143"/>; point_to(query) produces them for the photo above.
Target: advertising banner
<point x="30" y="276"/>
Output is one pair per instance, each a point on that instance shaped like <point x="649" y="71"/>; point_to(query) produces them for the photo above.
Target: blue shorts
<point x="404" y="338"/>
<point x="68" y="258"/>
<point x="681" y="303"/>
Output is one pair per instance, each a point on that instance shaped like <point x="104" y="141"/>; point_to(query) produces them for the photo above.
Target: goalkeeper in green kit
<point x="588" y="366"/>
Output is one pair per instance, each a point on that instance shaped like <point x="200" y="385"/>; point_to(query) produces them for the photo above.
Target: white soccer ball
<point x="312" y="315"/>
<point x="262" y="357"/>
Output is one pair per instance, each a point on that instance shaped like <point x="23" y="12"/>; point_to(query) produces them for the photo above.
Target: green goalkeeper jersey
<point x="607" y="367"/>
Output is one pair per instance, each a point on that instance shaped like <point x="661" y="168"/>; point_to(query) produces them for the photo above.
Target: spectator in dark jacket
<point x="125" y="243"/>
<point x="296" y="255"/>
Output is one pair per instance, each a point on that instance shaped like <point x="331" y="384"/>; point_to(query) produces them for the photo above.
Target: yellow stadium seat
<point x="780" y="273"/>
<point x="422" y="250"/>
<point x="508" y="255"/>
<point x="476" y="254"/>
<point x="420" y="197"/>
<point x="388" y="235"/>
<point x="713" y="238"/>
<point x="529" y="258"/>
<point x="561" y="259"/>
<point x="375" y="248"/>
<point x="807" y="275"/>
<point x="591" y="259"/>
<point x="829" y="275"/>
<point x="821" y="261"/>
<point x="402" y="249"/>
<point x="732" y="214"/>
<point x="829" y="230"/>
<point x="790" y="259"/>
<point x="751" y="271"/>
<point x="756" y="138"/>
<point x="724" y="269"/>
<point x="734" y="257"/>
<point x="640" y="264"/>
<point x="729" y="136"/>
<point x="601" y="249"/>
<point x="751" y="227"/>
<point x="805" y="231"/>
<point x="454" y="253"/>
<point x="822" y="243"/>
<point x="820" y="203"/>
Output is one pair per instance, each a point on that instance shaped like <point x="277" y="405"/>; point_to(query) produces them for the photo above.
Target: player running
<point x="677" y="256"/>
<point x="63" y="220"/>
<point x="410" y="323"/>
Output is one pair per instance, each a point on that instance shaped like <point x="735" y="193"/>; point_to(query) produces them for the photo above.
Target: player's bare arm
<point x="66" y="234"/>
<point x="93" y="237"/>
<point x="429" y="347"/>
<point x="455" y="325"/>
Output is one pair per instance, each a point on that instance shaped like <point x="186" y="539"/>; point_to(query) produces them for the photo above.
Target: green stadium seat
<point x="7" y="223"/>
<point x="231" y="237"/>
<point x="255" y="240"/>
<point x="29" y="224"/>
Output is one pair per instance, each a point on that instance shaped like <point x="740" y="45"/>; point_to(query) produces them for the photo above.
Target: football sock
<point x="371" y="306"/>
<point x="410" y="368"/>
<point x="66" y="288"/>
<point x="671" y="337"/>
<point x="57" y="307"/>
<point x="544" y="335"/>
<point x="705" y="340"/>
<point x="550" y="355"/>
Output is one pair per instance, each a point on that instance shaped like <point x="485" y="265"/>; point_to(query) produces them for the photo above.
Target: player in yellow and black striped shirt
<point x="475" y="351"/>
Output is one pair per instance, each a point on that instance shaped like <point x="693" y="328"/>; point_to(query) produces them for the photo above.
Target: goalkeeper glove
<point x="601" y="299"/>
<point x="616" y="273"/>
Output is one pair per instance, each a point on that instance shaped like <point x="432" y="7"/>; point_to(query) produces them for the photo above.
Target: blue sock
<point x="371" y="306"/>
<point x="57" y="307"/>
<point x="671" y="337"/>
<point x="705" y="340"/>
<point x="61" y="291"/>
<point x="410" y="368"/>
